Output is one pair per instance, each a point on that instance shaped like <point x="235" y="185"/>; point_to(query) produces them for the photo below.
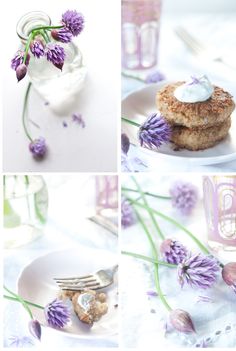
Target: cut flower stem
<point x="148" y="259"/>
<point x="24" y="111"/>
<point x="147" y="193"/>
<point x="25" y="301"/>
<point x="155" y="255"/>
<point x="131" y="122"/>
<point x="161" y="235"/>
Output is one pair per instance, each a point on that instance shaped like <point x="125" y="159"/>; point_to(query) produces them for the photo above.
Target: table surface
<point x="64" y="230"/>
<point x="93" y="148"/>
<point x="176" y="62"/>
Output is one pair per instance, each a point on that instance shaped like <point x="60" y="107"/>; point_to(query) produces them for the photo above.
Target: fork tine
<point x="75" y="281"/>
<point x="77" y="288"/>
<point x="73" y="278"/>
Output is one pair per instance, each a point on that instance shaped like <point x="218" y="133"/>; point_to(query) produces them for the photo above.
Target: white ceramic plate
<point x="141" y="103"/>
<point x="36" y="284"/>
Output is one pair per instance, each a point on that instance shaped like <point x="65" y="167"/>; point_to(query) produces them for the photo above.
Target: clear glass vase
<point x="220" y="210"/>
<point x="25" y="209"/>
<point x="58" y="88"/>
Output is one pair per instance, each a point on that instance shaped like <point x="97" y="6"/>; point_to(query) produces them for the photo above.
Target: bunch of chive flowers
<point x="197" y="269"/>
<point x="44" y="42"/>
<point x="56" y="313"/>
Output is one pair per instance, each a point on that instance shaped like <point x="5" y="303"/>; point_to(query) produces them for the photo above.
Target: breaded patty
<point x="198" y="138"/>
<point x="211" y="112"/>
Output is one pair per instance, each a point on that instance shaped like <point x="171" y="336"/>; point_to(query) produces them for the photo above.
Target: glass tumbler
<point x="140" y="33"/>
<point x="220" y="211"/>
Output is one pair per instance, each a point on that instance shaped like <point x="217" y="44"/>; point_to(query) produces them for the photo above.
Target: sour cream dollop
<point x="195" y="90"/>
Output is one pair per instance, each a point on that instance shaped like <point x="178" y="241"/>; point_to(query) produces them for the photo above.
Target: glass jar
<point x="107" y="196"/>
<point x="220" y="210"/>
<point x="58" y="88"/>
<point x="140" y="33"/>
<point x="25" y="209"/>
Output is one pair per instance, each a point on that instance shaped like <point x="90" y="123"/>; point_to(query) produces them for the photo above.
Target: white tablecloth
<point x="176" y="62"/>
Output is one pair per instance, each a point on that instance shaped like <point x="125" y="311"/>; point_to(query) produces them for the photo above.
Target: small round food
<point x="198" y="138"/>
<point x="205" y="114"/>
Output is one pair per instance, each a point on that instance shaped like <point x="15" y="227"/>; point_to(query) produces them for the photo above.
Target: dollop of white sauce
<point x="195" y="90"/>
<point x="84" y="300"/>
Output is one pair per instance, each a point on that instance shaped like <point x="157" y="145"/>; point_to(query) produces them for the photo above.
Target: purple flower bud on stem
<point x="18" y="59"/>
<point x="21" y="71"/>
<point x="125" y="143"/>
<point x="55" y="54"/>
<point x="229" y="275"/>
<point x="63" y="35"/>
<point x="38" y="147"/>
<point x="182" y="321"/>
<point x="37" y="48"/>
<point x="173" y="251"/>
<point x="35" y="329"/>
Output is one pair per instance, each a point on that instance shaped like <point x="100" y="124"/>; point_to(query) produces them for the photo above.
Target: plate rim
<point x="196" y="161"/>
<point x="110" y="336"/>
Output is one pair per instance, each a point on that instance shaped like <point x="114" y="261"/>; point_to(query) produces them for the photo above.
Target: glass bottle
<point x="140" y="33"/>
<point x="25" y="209"/>
<point x="220" y="210"/>
<point x="58" y="88"/>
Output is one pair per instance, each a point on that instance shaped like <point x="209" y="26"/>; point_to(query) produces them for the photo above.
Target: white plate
<point x="36" y="284"/>
<point x="141" y="103"/>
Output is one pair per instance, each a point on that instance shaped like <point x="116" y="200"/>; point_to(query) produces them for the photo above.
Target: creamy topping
<point x="195" y="90"/>
<point x="84" y="300"/>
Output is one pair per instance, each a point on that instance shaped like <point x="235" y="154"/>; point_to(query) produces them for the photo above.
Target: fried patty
<point x="209" y="113"/>
<point x="197" y="138"/>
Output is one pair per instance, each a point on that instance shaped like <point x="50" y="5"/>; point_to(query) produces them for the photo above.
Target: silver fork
<point x="98" y="280"/>
<point x="199" y="49"/>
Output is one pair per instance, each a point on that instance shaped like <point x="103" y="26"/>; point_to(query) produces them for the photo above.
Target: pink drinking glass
<point x="140" y="33"/>
<point x="220" y="210"/>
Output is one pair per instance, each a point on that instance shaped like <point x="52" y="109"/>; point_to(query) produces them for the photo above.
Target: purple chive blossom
<point x="125" y="143"/>
<point x="173" y="251"/>
<point x="184" y="196"/>
<point x="77" y="118"/>
<point x="57" y="314"/>
<point x="37" y="48"/>
<point x="63" y="35"/>
<point x="18" y="59"/>
<point x="198" y="270"/>
<point x="35" y="329"/>
<point x="38" y="147"/>
<point x="229" y="275"/>
<point x="55" y="54"/>
<point x="73" y="21"/>
<point x="154" y="77"/>
<point x="128" y="217"/>
<point x="154" y="132"/>
<point x="193" y="81"/>
<point x="181" y="321"/>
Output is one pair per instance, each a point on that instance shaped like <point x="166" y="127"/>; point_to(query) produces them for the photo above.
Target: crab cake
<point x="197" y="138"/>
<point x="210" y="113"/>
